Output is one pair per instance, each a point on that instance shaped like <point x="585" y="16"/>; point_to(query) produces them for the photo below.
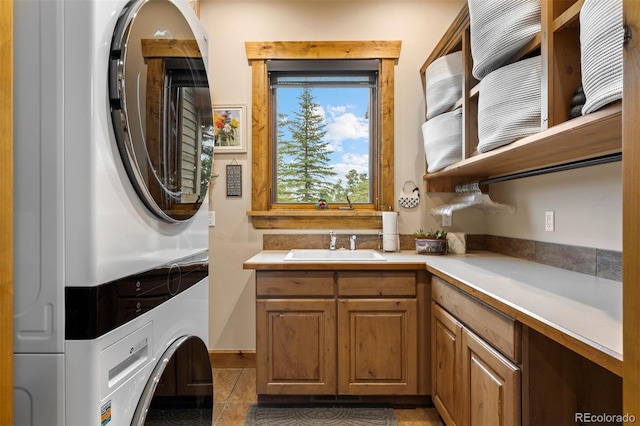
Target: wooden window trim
<point x="262" y="213"/>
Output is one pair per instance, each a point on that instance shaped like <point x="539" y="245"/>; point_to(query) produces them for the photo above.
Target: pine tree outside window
<point x="325" y="131"/>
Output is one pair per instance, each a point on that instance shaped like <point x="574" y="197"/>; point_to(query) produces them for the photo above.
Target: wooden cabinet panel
<point x="491" y="385"/>
<point x="295" y="283"/>
<point x="377" y="342"/>
<point x="343" y="332"/>
<point x="473" y="383"/>
<point x="377" y="283"/>
<point x="501" y="331"/>
<point x="296" y="347"/>
<point x="446" y="375"/>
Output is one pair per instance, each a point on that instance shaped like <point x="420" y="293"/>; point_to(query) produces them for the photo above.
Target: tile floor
<point x="235" y="391"/>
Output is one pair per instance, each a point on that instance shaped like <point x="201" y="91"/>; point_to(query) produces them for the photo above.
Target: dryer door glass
<point x="161" y="106"/>
<point x="180" y="389"/>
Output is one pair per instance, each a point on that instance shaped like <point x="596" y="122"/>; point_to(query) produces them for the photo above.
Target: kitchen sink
<point x="321" y="255"/>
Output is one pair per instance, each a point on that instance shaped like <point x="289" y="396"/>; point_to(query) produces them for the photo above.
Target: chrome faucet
<point x="352" y="242"/>
<point x="332" y="244"/>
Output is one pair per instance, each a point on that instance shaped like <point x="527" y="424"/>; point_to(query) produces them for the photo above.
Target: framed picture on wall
<point x="229" y="129"/>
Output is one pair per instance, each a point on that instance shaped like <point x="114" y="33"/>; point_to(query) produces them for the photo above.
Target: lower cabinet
<point x="446" y="362"/>
<point x="296" y="347"/>
<point x="339" y="333"/>
<point x="377" y="347"/>
<point x="491" y="384"/>
<point x="472" y="382"/>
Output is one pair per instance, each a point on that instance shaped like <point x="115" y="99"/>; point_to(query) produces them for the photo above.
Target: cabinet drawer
<point x="377" y="283"/>
<point x="294" y="283"/>
<point x="500" y="330"/>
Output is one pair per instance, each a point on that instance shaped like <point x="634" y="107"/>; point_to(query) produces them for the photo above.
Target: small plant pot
<point x="427" y="246"/>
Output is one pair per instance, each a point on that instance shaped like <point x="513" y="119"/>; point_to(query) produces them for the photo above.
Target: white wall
<point x="587" y="204"/>
<point x="418" y="24"/>
<point x="585" y="201"/>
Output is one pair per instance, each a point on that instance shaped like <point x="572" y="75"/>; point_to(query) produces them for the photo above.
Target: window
<point x="325" y="136"/>
<point x="289" y="78"/>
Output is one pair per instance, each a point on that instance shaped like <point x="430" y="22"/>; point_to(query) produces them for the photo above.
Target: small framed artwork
<point x="234" y="180"/>
<point x="229" y="129"/>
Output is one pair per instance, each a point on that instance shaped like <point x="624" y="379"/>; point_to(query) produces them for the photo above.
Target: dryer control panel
<point x="93" y="311"/>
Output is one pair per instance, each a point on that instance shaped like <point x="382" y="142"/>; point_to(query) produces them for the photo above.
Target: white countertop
<point x="579" y="306"/>
<point x="580" y="311"/>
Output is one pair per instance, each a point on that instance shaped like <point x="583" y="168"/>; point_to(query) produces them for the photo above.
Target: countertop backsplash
<point x="586" y="260"/>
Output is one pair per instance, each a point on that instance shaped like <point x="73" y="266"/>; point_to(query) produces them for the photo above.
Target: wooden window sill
<point x="316" y="219"/>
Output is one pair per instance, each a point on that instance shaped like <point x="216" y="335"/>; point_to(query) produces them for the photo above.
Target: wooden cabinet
<point x="473" y="383"/>
<point x="295" y="333"/>
<point x="377" y="347"/>
<point x="564" y="140"/>
<point x="296" y="345"/>
<point x="490" y="384"/>
<point x="446" y="376"/>
<point x="341" y="333"/>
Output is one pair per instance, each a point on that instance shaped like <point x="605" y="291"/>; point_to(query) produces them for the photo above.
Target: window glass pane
<point x="323" y="141"/>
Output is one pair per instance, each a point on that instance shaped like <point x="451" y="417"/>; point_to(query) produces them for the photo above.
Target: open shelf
<point x="569" y="17"/>
<point x="563" y="141"/>
<point x="590" y="136"/>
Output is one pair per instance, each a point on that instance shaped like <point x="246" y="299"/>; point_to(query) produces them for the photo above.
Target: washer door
<point x="180" y="389"/>
<point x="161" y="106"/>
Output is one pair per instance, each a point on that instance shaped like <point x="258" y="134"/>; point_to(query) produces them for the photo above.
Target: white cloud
<point x="319" y="110"/>
<point x="356" y="159"/>
<point x="359" y="163"/>
<point x="336" y="110"/>
<point x="346" y="126"/>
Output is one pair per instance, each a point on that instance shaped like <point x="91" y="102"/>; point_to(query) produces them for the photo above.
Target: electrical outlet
<point x="549" y="221"/>
<point x="212" y="218"/>
<point x="446" y="220"/>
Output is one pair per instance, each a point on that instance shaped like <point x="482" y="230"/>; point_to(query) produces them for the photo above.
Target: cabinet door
<point x="295" y="347"/>
<point x="491" y="385"/>
<point x="446" y="363"/>
<point x="377" y="347"/>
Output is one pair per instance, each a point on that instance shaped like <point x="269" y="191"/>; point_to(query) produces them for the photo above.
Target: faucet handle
<point x="332" y="242"/>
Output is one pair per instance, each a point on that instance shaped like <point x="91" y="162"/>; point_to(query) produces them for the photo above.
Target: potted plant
<point x="432" y="242"/>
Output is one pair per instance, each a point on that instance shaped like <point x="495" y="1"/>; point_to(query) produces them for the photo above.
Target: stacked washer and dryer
<point x="113" y="153"/>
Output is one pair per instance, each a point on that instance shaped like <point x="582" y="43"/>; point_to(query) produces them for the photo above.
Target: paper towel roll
<point x="390" y="237"/>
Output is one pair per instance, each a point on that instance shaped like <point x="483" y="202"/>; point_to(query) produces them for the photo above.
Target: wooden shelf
<point x="568" y="17"/>
<point x="564" y="141"/>
<point x="589" y="136"/>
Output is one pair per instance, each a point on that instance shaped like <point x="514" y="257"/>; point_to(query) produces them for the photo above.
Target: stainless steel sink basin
<point x="320" y="255"/>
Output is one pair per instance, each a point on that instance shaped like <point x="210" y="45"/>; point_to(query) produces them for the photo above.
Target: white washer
<point x="84" y="230"/>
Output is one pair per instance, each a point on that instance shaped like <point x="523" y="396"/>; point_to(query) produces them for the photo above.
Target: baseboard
<point x="232" y="359"/>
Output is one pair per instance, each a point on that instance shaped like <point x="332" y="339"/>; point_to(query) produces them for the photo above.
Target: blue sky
<point x="347" y="128"/>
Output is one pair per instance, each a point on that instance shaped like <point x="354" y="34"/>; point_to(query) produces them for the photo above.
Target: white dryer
<point x="113" y="151"/>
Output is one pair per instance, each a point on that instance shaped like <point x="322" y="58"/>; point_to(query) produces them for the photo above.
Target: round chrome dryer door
<point x="161" y="106"/>
<point x="180" y="389"/>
